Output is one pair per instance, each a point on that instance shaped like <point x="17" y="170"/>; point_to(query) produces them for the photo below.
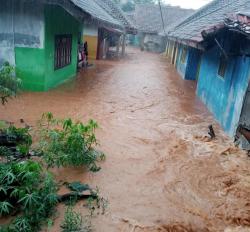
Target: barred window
<point x="222" y="67"/>
<point x="63" y="51"/>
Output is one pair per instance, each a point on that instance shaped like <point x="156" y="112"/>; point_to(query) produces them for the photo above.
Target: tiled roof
<point x="131" y="17"/>
<point x="148" y="17"/>
<point x="246" y="13"/>
<point x="208" y="17"/>
<point x="115" y="11"/>
<point x="97" y="11"/>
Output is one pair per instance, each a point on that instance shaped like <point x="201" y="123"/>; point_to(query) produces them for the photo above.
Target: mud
<point x="162" y="172"/>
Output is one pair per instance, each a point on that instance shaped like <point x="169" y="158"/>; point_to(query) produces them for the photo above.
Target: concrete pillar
<point x="167" y="47"/>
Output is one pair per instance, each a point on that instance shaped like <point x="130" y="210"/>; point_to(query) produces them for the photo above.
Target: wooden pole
<point x="118" y="47"/>
<point x="123" y="44"/>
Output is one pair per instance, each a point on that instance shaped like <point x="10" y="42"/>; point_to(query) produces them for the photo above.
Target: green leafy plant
<point x="30" y="192"/>
<point x="14" y="141"/>
<point x="18" y="135"/>
<point x="9" y="84"/>
<point x="5" y="206"/>
<point x="27" y="189"/>
<point x="68" y="143"/>
<point x="22" y="224"/>
<point x="73" y="221"/>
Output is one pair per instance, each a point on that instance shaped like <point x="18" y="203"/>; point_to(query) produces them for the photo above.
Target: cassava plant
<point x="9" y="84"/>
<point x="68" y="143"/>
<point x="27" y="190"/>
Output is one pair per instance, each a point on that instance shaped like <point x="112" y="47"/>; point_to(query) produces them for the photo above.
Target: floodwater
<point x="162" y="172"/>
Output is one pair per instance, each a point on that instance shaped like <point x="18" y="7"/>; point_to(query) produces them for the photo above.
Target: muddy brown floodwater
<point x="162" y="172"/>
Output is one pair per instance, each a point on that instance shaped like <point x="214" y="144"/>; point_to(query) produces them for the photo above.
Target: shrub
<point x="14" y="142"/>
<point x="68" y="143"/>
<point x="9" y="84"/>
<point x="74" y="222"/>
<point x="25" y="188"/>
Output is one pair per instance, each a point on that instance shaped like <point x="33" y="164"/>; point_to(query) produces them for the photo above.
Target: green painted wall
<point x="58" y="21"/>
<point x="36" y="66"/>
<point x="30" y="67"/>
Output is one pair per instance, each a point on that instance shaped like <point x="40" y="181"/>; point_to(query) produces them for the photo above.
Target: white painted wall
<point x="6" y="32"/>
<point x="91" y="30"/>
<point x="29" y="25"/>
<point x="21" y="25"/>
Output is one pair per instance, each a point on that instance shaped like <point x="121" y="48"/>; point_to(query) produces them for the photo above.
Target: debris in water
<point x="245" y="132"/>
<point x="211" y="132"/>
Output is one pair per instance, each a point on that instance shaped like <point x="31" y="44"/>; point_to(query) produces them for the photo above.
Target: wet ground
<point x="162" y="172"/>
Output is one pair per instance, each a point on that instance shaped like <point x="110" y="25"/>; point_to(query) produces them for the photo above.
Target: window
<point x="183" y="55"/>
<point x="222" y="67"/>
<point x="63" y="51"/>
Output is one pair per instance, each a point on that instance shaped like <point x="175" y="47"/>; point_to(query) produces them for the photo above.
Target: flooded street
<point x="162" y="172"/>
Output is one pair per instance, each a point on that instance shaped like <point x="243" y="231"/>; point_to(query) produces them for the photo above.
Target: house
<point x="132" y="38"/>
<point x="100" y="38"/>
<point x="212" y="47"/>
<point x="41" y="38"/>
<point x="150" y="23"/>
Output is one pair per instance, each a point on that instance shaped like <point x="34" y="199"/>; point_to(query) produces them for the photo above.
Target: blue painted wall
<point x="224" y="96"/>
<point x="192" y="67"/>
<point x="134" y="40"/>
<point x="181" y="66"/>
<point x="189" y="68"/>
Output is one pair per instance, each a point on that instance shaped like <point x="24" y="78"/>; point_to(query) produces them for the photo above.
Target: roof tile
<point x="208" y="16"/>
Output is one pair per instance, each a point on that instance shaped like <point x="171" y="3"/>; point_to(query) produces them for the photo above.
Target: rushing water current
<point x="162" y="172"/>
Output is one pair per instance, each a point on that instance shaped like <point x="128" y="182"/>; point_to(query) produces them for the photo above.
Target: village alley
<point x="162" y="172"/>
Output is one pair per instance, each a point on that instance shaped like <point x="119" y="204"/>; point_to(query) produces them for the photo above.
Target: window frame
<point x="63" y="54"/>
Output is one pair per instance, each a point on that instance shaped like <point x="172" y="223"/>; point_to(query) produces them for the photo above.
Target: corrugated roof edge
<point x="196" y="13"/>
<point x="121" y="17"/>
<point x="174" y="25"/>
<point x="142" y="7"/>
<point x="98" y="20"/>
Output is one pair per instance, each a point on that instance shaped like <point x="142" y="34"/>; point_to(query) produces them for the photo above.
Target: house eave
<point x="82" y="15"/>
<point x="190" y="43"/>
